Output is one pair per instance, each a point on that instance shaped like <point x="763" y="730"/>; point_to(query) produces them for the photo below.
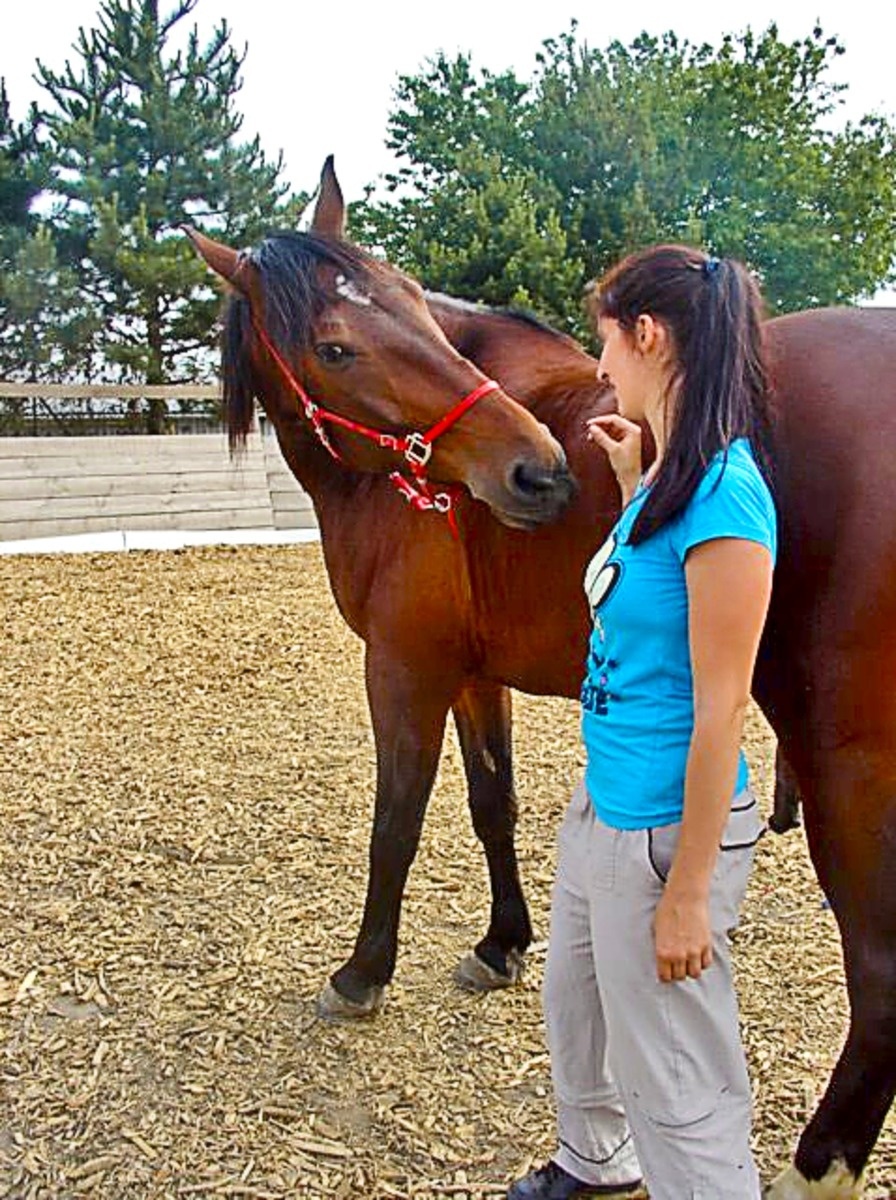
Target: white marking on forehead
<point x="348" y="291"/>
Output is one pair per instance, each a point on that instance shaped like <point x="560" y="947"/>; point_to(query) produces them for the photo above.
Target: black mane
<point x="523" y="316"/>
<point x="527" y="317"/>
<point x="293" y="298"/>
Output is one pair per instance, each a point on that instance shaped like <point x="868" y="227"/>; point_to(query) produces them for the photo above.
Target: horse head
<point x="315" y="322"/>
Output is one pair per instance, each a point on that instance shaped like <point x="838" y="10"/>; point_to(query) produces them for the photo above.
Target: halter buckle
<point x="417" y="451"/>
<point x="441" y="502"/>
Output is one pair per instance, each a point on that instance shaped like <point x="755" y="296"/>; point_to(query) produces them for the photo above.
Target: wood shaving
<point x="186" y="787"/>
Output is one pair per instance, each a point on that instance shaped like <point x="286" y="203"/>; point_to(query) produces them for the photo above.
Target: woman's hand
<point x="682" y="935"/>
<point x="621" y="439"/>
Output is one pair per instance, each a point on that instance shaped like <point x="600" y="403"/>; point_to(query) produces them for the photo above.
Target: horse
<point x="454" y="613"/>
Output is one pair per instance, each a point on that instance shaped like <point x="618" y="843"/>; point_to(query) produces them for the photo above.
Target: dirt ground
<point x="186" y="776"/>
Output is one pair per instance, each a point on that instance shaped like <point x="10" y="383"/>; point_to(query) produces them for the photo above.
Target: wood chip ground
<point x="185" y="793"/>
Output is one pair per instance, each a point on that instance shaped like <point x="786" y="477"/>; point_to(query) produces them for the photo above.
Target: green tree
<point x="143" y="137"/>
<point x="469" y="215"/>
<point x="21" y="173"/>
<point x="731" y="147"/>
<point x="48" y="330"/>
<point x="488" y="237"/>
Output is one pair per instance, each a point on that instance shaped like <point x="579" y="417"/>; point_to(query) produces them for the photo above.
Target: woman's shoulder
<point x="732" y="499"/>
<point x="731" y="469"/>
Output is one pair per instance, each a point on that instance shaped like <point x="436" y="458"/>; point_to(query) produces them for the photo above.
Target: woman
<point x="649" y="1075"/>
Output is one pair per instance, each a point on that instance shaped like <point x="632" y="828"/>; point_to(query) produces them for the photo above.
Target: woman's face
<point x="622" y="365"/>
<point x="635" y="363"/>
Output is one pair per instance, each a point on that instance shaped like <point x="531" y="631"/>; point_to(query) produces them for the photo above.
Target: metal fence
<point x="85" y="410"/>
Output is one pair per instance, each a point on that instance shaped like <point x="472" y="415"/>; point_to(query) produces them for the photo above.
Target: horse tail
<point x="237" y="375"/>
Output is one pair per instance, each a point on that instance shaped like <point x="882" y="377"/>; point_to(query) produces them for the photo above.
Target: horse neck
<point x="546" y="371"/>
<point x="322" y="476"/>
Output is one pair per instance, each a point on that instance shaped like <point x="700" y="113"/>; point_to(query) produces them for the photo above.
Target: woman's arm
<point x="729" y="585"/>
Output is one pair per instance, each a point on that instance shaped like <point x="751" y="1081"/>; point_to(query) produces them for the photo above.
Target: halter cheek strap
<point x="415" y="447"/>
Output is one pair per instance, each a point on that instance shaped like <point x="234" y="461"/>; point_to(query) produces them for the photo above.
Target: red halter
<point x="416" y="447"/>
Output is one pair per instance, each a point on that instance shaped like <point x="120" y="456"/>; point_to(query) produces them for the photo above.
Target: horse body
<point x="451" y="624"/>
<point x="830" y="640"/>
<point x="825" y="679"/>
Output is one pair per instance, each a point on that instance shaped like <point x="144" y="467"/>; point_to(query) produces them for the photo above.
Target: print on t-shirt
<point x="596" y="694"/>
<point x="602" y="575"/>
<point x="601" y="580"/>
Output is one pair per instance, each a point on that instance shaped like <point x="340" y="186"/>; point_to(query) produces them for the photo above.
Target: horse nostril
<point x="530" y="480"/>
<point x="539" y="483"/>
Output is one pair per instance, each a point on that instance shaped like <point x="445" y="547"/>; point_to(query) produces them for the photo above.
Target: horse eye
<point x="332" y="353"/>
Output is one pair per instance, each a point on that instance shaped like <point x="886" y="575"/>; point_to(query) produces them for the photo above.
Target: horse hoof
<point x="474" y="975"/>
<point x="838" y="1184"/>
<point x="331" y="1006"/>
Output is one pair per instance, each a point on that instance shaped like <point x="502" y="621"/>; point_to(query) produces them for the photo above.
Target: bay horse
<point x="453" y="618"/>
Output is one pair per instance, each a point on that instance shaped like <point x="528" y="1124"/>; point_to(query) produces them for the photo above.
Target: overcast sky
<point x="318" y="78"/>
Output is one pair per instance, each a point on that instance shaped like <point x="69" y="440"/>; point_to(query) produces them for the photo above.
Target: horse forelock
<point x="294" y="295"/>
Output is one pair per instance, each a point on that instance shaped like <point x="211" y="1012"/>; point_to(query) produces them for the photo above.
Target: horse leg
<point x="408" y="708"/>
<point x="852" y="839"/>
<point x="482" y="714"/>
<point x="786" y="811"/>
<point x="837" y="1142"/>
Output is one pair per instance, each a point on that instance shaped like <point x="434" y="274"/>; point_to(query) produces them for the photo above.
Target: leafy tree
<point x="142" y="139"/>
<point x="733" y="148"/>
<point x="489" y="237"/>
<point x="476" y="221"/>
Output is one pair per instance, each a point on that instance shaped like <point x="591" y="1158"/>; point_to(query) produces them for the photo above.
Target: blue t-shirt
<point x="637" y="698"/>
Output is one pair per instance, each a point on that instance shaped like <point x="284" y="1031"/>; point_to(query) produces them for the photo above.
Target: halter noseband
<point x="415" y="447"/>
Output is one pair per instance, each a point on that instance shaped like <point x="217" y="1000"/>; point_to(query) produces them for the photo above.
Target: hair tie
<point x="710" y="266"/>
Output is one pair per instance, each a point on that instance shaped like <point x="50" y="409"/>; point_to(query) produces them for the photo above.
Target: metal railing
<point x="84" y="410"/>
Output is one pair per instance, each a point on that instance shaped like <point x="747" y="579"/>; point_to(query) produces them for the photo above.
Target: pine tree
<point x="143" y="138"/>
<point x="21" y="176"/>
<point x="45" y="326"/>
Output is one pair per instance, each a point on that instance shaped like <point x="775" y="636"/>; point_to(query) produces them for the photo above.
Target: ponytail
<point x="713" y="310"/>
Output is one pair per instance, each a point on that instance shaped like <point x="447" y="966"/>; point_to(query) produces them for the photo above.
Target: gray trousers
<point x="649" y="1078"/>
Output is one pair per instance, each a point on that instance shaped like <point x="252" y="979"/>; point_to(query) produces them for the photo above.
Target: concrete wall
<point x="52" y="487"/>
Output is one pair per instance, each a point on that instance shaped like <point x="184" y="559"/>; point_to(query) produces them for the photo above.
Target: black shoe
<point x="551" y="1182"/>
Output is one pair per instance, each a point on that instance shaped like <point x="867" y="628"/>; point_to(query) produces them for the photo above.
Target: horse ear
<point x="329" y="212"/>
<point x="223" y="260"/>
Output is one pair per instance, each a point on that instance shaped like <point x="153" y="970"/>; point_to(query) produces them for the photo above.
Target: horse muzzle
<point x="530" y="494"/>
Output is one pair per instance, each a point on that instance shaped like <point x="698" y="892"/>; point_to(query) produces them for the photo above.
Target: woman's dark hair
<point x="713" y="309"/>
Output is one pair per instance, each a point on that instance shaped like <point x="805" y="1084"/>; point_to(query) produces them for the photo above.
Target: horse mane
<point x="293" y="296"/>
<point x="534" y="321"/>
<point x="523" y="316"/>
